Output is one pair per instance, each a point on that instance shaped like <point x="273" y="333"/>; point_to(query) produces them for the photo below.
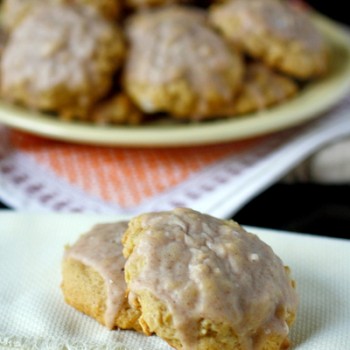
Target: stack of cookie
<point x="134" y="61"/>
<point x="194" y="280"/>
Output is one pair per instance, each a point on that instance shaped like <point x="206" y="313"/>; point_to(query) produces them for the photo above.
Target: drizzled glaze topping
<point x="277" y="18"/>
<point x="176" y="44"/>
<point x="101" y="249"/>
<point x="55" y="46"/>
<point x="201" y="267"/>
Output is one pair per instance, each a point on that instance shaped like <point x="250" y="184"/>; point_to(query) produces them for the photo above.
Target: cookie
<point x="273" y="31"/>
<point x="117" y="109"/>
<point x="111" y="9"/>
<point x="262" y="88"/>
<point x="14" y="11"/>
<point x="205" y="283"/>
<point x="179" y="65"/>
<point x="142" y="4"/>
<point x="61" y="59"/>
<point x="93" y="277"/>
<point x="3" y="39"/>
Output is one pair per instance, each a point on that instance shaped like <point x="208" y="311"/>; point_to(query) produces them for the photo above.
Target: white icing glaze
<point x="175" y="43"/>
<point x="101" y="249"/>
<point x="57" y="46"/>
<point x="273" y="17"/>
<point x="201" y="267"/>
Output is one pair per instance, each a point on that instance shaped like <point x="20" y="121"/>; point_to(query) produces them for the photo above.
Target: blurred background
<point x="314" y="197"/>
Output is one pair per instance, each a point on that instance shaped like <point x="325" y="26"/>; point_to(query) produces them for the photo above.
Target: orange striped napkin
<point x="43" y="174"/>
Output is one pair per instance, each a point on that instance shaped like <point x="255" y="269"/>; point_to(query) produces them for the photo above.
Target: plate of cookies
<point x="150" y="74"/>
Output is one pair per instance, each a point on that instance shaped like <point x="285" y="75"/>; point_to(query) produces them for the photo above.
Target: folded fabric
<point x="46" y="175"/>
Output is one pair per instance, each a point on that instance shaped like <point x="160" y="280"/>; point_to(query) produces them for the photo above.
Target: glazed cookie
<point x="179" y="65"/>
<point x="3" y="40"/>
<point x="282" y="36"/>
<point x="69" y="64"/>
<point x="262" y="88"/>
<point x="141" y="4"/>
<point x="117" y="109"/>
<point x="13" y="11"/>
<point x="109" y="8"/>
<point x="93" y="277"/>
<point x="204" y="283"/>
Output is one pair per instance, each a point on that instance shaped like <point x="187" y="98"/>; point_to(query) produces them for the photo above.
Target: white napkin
<point x="33" y="314"/>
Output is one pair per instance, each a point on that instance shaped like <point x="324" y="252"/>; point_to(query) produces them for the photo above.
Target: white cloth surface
<point x="33" y="314"/>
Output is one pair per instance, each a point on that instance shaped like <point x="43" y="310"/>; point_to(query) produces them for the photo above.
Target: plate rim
<point x="201" y="133"/>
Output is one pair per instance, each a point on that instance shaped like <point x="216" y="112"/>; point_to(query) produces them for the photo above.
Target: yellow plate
<point x="317" y="97"/>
